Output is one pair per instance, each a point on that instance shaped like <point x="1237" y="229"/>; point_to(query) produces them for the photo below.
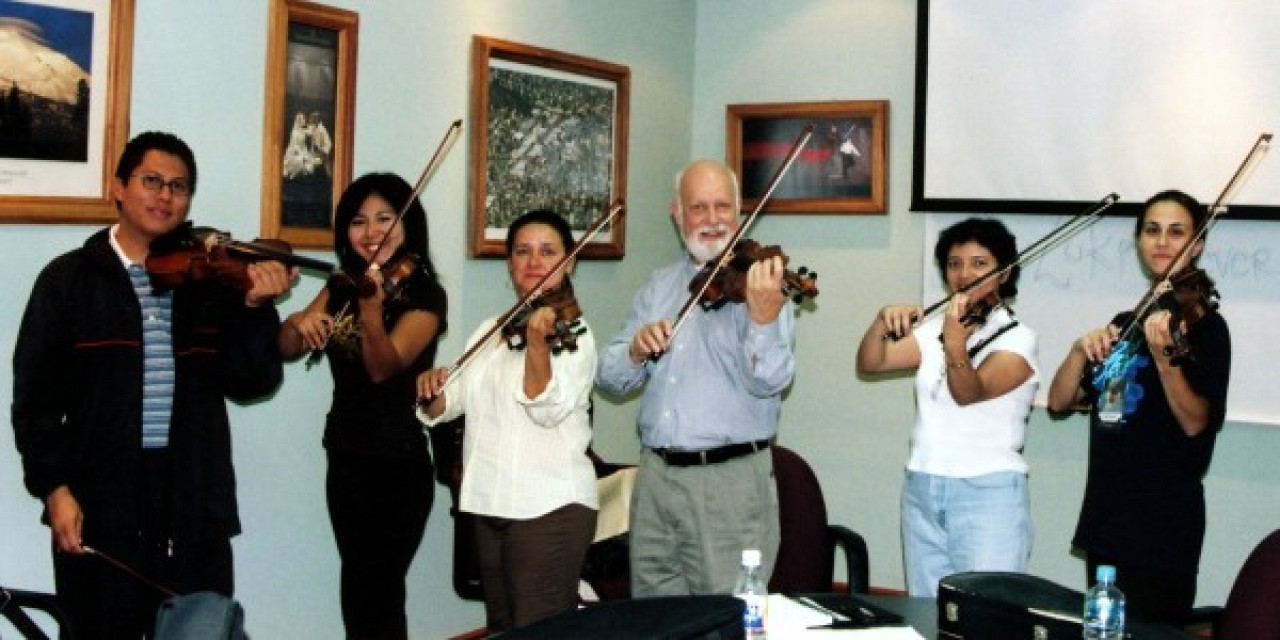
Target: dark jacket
<point x="77" y="399"/>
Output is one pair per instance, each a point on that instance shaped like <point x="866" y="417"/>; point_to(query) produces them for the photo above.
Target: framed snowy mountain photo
<point x="65" y="70"/>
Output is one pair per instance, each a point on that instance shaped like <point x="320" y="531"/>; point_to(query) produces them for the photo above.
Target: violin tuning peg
<point x="803" y="271"/>
<point x="813" y="275"/>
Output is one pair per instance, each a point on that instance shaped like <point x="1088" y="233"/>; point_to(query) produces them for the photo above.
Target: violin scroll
<point x="730" y="283"/>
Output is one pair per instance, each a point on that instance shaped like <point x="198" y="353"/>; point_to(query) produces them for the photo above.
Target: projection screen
<point x="1046" y="107"/>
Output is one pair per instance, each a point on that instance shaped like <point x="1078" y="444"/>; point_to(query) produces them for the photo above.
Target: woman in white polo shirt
<point x="965" y="503"/>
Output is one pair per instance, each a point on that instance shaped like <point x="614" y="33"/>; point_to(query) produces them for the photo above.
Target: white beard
<point x="703" y="252"/>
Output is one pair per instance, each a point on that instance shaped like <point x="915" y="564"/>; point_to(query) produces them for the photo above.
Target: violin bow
<point x="1045" y="244"/>
<point x="535" y="292"/>
<point x="727" y="254"/>
<point x="454" y="128"/>
<point x="430" y="169"/>
<point x="1165" y="281"/>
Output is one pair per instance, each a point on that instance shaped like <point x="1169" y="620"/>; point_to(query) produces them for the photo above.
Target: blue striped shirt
<point x="157" y="359"/>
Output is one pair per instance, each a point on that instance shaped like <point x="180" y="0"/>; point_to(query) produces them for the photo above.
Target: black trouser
<point x="104" y="601"/>
<point x="1149" y="594"/>
<point x="378" y="507"/>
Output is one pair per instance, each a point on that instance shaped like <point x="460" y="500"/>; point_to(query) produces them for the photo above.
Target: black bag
<point x="203" y="615"/>
<point x="992" y="605"/>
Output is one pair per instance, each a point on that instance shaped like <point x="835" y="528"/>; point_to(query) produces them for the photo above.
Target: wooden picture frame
<point x="62" y="174"/>
<point x="309" y="126"/>
<point x="548" y="131"/>
<point x="842" y="169"/>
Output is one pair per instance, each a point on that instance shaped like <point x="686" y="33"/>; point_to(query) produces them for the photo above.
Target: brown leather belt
<point x="678" y="458"/>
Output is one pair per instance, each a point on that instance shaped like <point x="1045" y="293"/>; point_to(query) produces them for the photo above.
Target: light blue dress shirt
<point x="722" y="377"/>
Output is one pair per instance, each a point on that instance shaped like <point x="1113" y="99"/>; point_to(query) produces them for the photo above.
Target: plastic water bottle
<point x="1104" y="607"/>
<point x="752" y="590"/>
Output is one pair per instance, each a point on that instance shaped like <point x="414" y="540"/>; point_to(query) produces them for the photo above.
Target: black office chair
<point x="807" y="551"/>
<point x="1252" y="610"/>
<point x="15" y="603"/>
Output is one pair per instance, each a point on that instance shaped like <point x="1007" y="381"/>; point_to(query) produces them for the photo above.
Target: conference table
<point x="788" y="619"/>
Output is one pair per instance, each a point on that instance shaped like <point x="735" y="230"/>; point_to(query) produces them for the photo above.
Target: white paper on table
<point x="790" y="619"/>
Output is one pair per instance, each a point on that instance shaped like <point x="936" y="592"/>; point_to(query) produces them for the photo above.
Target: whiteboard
<point x="1083" y="283"/>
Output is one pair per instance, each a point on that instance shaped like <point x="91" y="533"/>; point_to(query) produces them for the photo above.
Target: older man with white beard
<point x="712" y="395"/>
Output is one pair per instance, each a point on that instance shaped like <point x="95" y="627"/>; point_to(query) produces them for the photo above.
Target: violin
<point x="976" y="313"/>
<point x="192" y="254"/>
<point x="395" y="275"/>
<point x="1189" y="295"/>
<point x="343" y="290"/>
<point x="730" y="283"/>
<point x="568" y="325"/>
<point x="1192" y="296"/>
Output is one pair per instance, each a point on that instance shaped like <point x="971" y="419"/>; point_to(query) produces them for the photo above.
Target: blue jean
<point x="951" y="525"/>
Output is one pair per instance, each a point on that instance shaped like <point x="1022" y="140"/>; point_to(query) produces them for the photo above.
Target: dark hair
<point x="146" y="141"/>
<point x="1199" y="213"/>
<point x="396" y="192"/>
<point x="541" y="216"/>
<point x="991" y="234"/>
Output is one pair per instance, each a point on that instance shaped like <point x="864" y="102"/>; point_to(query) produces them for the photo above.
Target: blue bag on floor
<point x="203" y="615"/>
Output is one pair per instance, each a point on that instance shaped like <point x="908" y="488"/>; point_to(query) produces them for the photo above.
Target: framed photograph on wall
<point x="64" y="107"/>
<point x="548" y="131"/>
<point x="309" y="121"/>
<point x="841" y="170"/>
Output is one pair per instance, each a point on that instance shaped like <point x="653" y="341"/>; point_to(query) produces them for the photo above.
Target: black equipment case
<point x="991" y="605"/>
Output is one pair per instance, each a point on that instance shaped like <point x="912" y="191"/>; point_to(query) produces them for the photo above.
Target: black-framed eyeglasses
<point x="179" y="187"/>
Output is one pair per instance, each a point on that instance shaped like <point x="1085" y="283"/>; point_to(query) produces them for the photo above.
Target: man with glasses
<point x="119" y="406"/>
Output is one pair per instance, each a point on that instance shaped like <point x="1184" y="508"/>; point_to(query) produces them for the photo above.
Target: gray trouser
<point x="689" y="525"/>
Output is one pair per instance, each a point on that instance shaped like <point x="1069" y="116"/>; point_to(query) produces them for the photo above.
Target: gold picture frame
<point x="309" y="124"/>
<point x="842" y="169"/>
<point x="554" y="133"/>
<point x="62" y="174"/>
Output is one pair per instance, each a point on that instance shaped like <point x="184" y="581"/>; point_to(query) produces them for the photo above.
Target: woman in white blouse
<point x="526" y="475"/>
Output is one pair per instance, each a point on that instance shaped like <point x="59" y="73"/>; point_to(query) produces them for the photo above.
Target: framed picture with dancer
<point x="309" y="122"/>
<point x="548" y="131"/>
<point x="841" y="170"/>
<point x="65" y="70"/>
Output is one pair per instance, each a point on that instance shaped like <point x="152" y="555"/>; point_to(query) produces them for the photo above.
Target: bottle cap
<point x="1106" y="573"/>
<point x="751" y="557"/>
